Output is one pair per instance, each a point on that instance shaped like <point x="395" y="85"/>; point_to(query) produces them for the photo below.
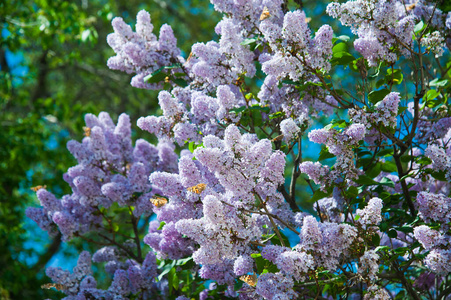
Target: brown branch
<point x="135" y="230"/>
<point x="294" y="176"/>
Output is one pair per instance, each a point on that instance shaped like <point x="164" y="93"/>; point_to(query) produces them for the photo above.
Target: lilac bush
<point x="223" y="195"/>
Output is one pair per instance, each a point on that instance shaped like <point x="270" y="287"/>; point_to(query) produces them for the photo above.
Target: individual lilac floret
<point x="141" y="52"/>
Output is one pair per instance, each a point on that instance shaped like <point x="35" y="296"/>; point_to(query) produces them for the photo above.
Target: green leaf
<point x="324" y="154"/>
<point x="162" y="223"/>
<point x="376" y="96"/>
<point x="183" y="261"/>
<point x="440" y="175"/>
<point x="389" y="167"/>
<point x="341" y="55"/>
<point x="171" y="275"/>
<point x="340" y="47"/>
<point x="405" y="229"/>
<point x="376" y="240"/>
<point x="276" y="115"/>
<point x="276" y="241"/>
<point x="339" y="123"/>
<point x="257" y="118"/>
<point x="401" y="250"/>
<point x="155" y="77"/>
<point x="383" y="226"/>
<point x="363" y="179"/>
<point x="432" y="94"/>
<point x="379" y="248"/>
<point x="392" y="233"/>
<point x="248" y="41"/>
<point x="238" y="109"/>
<point x="264" y="109"/>
<point x="406" y="158"/>
<point x="380" y="83"/>
<point x="438" y="82"/>
<point x="191" y="147"/>
<point x="385" y="152"/>
<point x="352" y="192"/>
<point x="387" y="182"/>
<point x="394" y="76"/>
<point x="418" y="27"/>
<point x="374" y="170"/>
<point x="180" y="82"/>
<point x="318" y="195"/>
<point x="423" y="160"/>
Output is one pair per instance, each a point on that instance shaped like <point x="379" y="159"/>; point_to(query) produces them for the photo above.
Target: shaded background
<point x="53" y="71"/>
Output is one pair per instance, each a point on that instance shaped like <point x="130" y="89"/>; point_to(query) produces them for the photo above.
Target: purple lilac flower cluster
<point x="140" y="52"/>
<point x="110" y="170"/>
<point x="340" y="144"/>
<point x="224" y="203"/>
<point x="80" y="284"/>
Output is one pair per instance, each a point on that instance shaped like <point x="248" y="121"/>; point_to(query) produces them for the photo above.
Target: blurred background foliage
<point x="53" y="71"/>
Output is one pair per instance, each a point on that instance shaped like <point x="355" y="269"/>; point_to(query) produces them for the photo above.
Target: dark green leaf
<point x="363" y="179"/>
<point x="318" y="195"/>
<point x="180" y="82"/>
<point x="392" y="233"/>
<point x="389" y="167"/>
<point x="324" y="154"/>
<point x="376" y="96"/>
